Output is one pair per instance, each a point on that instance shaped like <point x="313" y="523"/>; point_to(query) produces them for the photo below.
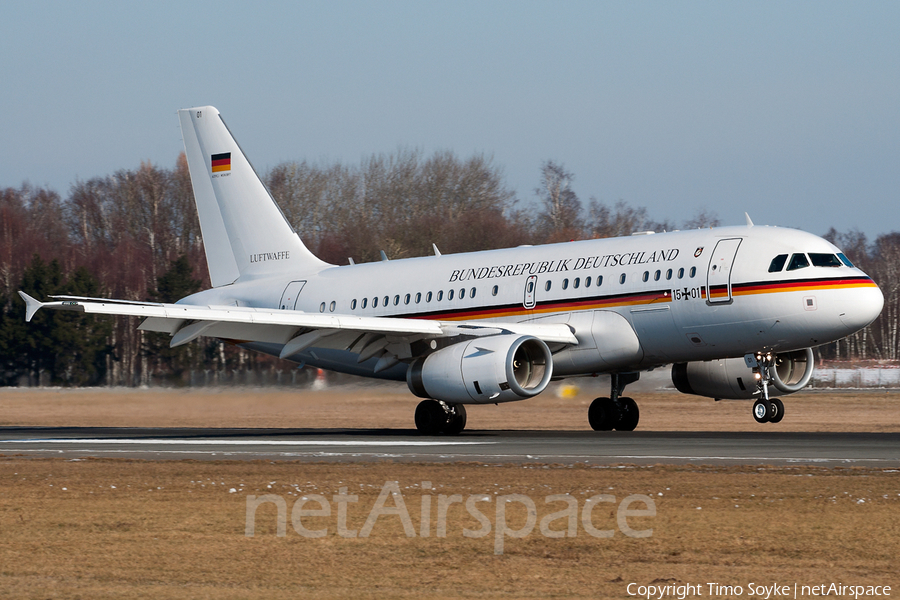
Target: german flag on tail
<point x="221" y="162"/>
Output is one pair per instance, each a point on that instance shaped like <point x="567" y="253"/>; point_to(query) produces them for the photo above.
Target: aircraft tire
<point x="762" y="408"/>
<point x="430" y="417"/>
<point x="457" y="420"/>
<point x="629" y="415"/>
<point x="603" y="414"/>
<point x="777" y="412"/>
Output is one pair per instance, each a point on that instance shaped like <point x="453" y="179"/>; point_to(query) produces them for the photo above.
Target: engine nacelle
<point x="732" y="378"/>
<point x="497" y="368"/>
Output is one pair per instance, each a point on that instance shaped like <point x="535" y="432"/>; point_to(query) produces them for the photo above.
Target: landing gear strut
<point x="434" y="417"/>
<point x="616" y="412"/>
<point x="765" y="410"/>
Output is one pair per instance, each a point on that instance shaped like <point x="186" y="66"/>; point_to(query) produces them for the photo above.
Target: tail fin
<point x="245" y="234"/>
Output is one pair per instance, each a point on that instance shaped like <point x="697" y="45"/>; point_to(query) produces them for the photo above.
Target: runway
<point x="879" y="450"/>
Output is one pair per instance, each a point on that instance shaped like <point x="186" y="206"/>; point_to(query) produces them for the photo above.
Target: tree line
<point x="135" y="235"/>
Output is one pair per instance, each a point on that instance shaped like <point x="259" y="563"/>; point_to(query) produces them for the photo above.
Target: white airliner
<point x="736" y="310"/>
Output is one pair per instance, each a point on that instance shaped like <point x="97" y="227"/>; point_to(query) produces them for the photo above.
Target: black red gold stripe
<point x="645" y="298"/>
<point x="221" y="162"/>
<point x="518" y="310"/>
<point x="799" y="285"/>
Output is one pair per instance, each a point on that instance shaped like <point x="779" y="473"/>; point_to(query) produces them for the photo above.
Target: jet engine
<point x="732" y="378"/>
<point x="498" y="368"/>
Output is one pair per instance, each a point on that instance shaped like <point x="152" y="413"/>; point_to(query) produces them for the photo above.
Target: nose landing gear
<point x="765" y="410"/>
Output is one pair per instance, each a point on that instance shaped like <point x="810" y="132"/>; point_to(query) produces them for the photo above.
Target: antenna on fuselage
<point x="749" y="222"/>
<point x="436" y="251"/>
<point x="384" y="257"/>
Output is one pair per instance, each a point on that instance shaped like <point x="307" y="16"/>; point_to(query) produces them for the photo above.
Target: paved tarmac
<point x="879" y="450"/>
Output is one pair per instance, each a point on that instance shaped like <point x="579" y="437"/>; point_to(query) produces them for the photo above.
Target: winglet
<point x="31" y="305"/>
<point x="749" y="222"/>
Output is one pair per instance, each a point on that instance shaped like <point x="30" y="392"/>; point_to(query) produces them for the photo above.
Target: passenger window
<point x="385" y="303"/>
<point x="681" y="273"/>
<point x="669" y="274"/>
<point x="777" y="263"/>
<point x="428" y="297"/>
<point x="824" y="260"/>
<point x="798" y="261"/>
<point x="375" y="302"/>
<point x="418" y="297"/>
<point x="322" y="307"/>
<point x="472" y="293"/>
<point x="331" y="306"/>
<point x="440" y="295"/>
<point x="693" y="271"/>
<point x="565" y="284"/>
<point x="364" y="302"/>
<point x="547" y="286"/>
<point x="406" y="299"/>
<point x="353" y="304"/>
<point x="845" y="260"/>
<point x="396" y="300"/>
<point x="576" y="283"/>
<point x="587" y="281"/>
<point x="599" y="280"/>
<point x="449" y="295"/>
<point x="462" y="294"/>
<point x="493" y="291"/>
<point x="646" y="276"/>
<point x="622" y="278"/>
<point x="656" y="275"/>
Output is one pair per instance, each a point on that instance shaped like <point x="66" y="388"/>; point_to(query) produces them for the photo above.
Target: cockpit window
<point x="798" y="261"/>
<point x="824" y="260"/>
<point x="845" y="260"/>
<point x="777" y="263"/>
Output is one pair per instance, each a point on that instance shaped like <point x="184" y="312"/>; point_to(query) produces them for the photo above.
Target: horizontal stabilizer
<point x="31" y="306"/>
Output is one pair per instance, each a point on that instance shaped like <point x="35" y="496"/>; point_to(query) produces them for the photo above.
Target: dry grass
<point x="132" y="529"/>
<point x="393" y="407"/>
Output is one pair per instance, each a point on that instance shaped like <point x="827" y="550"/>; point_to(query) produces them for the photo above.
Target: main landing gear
<point x="615" y="412"/>
<point x="434" y="417"/>
<point x="765" y="410"/>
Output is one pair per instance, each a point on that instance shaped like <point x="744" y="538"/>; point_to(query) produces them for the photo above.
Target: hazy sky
<point x="789" y="111"/>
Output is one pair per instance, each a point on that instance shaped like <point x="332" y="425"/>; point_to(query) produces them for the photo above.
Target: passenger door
<point x="718" y="276"/>
<point x="290" y="295"/>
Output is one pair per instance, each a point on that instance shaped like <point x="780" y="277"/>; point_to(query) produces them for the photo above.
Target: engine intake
<point x="732" y="378"/>
<point x="498" y="368"/>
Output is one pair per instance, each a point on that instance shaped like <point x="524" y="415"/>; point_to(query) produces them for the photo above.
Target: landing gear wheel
<point x="435" y="418"/>
<point x="776" y="413"/>
<point x="603" y="415"/>
<point x="431" y="418"/>
<point x="762" y="408"/>
<point x="457" y="421"/>
<point x="629" y="415"/>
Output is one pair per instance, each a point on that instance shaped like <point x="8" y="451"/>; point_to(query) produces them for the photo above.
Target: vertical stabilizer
<point x="245" y="234"/>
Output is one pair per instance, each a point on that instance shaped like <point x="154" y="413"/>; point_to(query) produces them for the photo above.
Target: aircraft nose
<point x="867" y="305"/>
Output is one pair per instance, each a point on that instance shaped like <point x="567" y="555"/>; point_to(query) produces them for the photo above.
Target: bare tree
<point x="561" y="215"/>
<point x="702" y="219"/>
<point x="621" y="219"/>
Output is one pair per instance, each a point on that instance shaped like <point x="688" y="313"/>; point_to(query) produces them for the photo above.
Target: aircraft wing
<point x="295" y="329"/>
